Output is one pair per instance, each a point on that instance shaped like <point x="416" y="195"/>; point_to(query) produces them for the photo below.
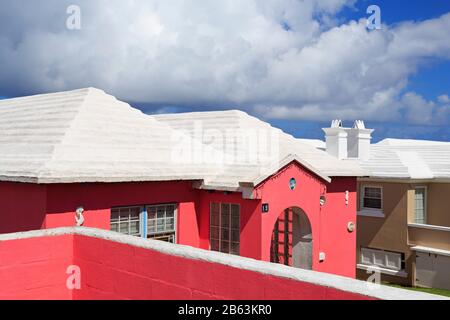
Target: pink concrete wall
<point x="118" y="271"/>
<point x="35" y="268"/>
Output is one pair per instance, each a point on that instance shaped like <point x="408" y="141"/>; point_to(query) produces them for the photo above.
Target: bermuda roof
<point x="87" y="135"/>
<point x="409" y="159"/>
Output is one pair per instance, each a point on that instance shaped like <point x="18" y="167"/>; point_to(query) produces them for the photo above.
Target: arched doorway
<point x="292" y="241"/>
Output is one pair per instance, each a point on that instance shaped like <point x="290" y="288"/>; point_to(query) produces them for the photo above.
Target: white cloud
<point x="444" y="99"/>
<point x="224" y="52"/>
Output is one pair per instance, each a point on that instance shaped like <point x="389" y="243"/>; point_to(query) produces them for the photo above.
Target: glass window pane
<point x="235" y="217"/>
<point x="170" y="224"/>
<point x="151" y="212"/>
<point x="114" y="215"/>
<point x="215" y="245"/>
<point x="215" y="217"/>
<point x="372" y="192"/>
<point x="225" y="215"/>
<point x="214" y="233"/>
<point x="224" y="227"/>
<point x="134" y="227"/>
<point x="123" y="227"/>
<point x="170" y="211"/>
<point x="235" y="235"/>
<point x="372" y="203"/>
<point x="160" y="225"/>
<point x="225" y="234"/>
<point x="115" y="227"/>
<point x="225" y="247"/>
<point x="160" y="212"/>
<point x="234" y="248"/>
<point x="420" y="206"/>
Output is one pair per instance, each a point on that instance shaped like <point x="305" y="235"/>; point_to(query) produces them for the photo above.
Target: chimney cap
<point x="359" y="124"/>
<point x="336" y="123"/>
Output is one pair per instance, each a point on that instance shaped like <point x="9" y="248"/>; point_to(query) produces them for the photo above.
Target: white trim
<point x="401" y="273"/>
<point x="364" y="186"/>
<point x="369" y="257"/>
<point x="431" y="250"/>
<point x="429" y="227"/>
<point x="287" y="161"/>
<point x="307" y="276"/>
<point x="374" y="213"/>
<point x="175" y="219"/>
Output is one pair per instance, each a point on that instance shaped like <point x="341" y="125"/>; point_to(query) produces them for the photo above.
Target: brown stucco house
<point x="403" y="222"/>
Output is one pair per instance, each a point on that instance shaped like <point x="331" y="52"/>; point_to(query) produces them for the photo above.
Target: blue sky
<point x="297" y="65"/>
<point x="430" y="80"/>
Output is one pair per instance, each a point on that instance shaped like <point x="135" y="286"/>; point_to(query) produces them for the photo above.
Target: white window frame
<point x="425" y="204"/>
<point x="143" y="219"/>
<point x="118" y="222"/>
<point x="370" y="212"/>
<point x="175" y="222"/>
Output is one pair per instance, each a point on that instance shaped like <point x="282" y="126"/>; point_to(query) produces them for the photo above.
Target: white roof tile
<point x="406" y="159"/>
<point x="410" y="159"/>
<point x="89" y="136"/>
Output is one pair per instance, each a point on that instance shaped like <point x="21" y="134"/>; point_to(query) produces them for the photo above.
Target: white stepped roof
<point x="285" y="145"/>
<point x="89" y="136"/>
<point x="405" y="159"/>
<point x="410" y="143"/>
<point x="79" y="136"/>
<point x="410" y="159"/>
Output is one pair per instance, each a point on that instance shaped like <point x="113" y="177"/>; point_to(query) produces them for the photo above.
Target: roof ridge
<point x="47" y="163"/>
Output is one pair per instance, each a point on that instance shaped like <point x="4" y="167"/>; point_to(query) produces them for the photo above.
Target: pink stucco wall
<point x="118" y="271"/>
<point x="28" y="206"/>
<point x="328" y="222"/>
<point x="35" y="268"/>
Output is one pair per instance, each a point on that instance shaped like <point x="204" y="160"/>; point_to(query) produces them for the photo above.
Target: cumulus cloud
<point x="279" y="59"/>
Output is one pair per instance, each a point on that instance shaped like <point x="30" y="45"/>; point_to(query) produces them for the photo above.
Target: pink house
<point x="221" y="181"/>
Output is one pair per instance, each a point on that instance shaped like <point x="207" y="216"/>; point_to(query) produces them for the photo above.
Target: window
<point x="383" y="259"/>
<point x="126" y="220"/>
<point x="420" y="212"/>
<point x="156" y="222"/>
<point x="372" y="198"/>
<point x="225" y="227"/>
<point x="161" y="222"/>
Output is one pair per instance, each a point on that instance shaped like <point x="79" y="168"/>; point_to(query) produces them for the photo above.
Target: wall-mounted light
<point x="323" y="200"/>
<point x="79" y="218"/>
<point x="322" y="256"/>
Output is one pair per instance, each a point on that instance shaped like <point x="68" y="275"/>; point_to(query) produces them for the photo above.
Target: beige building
<point x="403" y="206"/>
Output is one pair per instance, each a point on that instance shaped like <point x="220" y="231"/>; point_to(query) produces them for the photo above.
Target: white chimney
<point x="336" y="140"/>
<point x="359" y="141"/>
